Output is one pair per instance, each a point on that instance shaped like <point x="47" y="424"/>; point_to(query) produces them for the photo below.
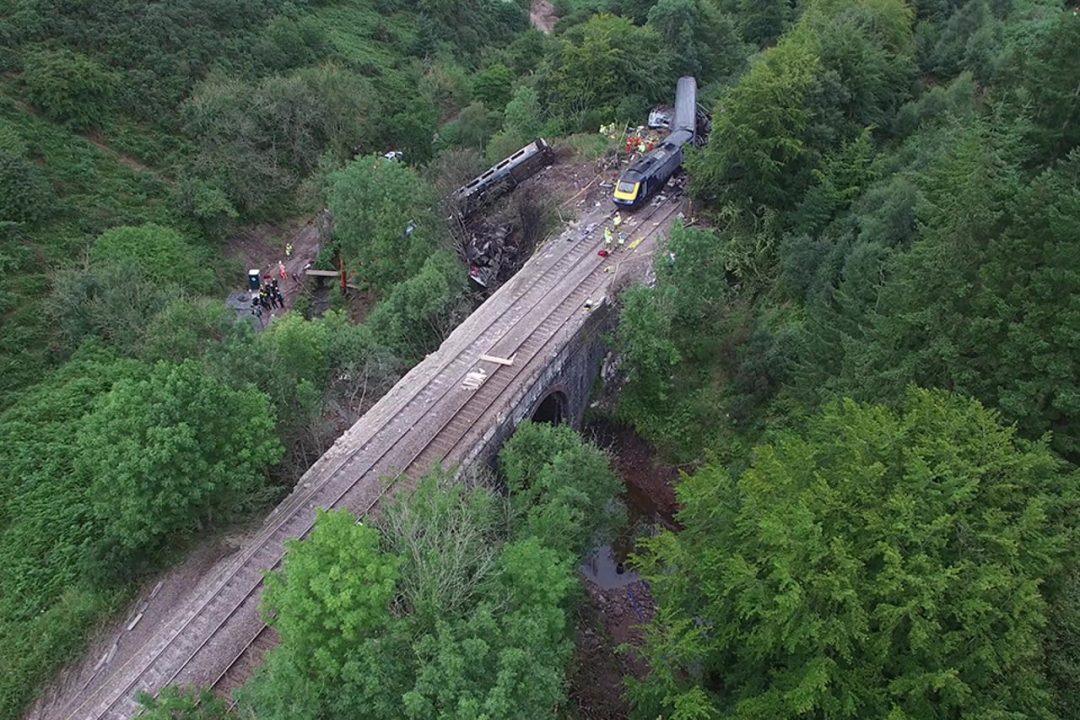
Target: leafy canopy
<point x="374" y="202"/>
<point x="561" y="489"/>
<point x="878" y="563"/>
<point x="435" y="615"/>
<point x="166" y="455"/>
<point x="69" y="87"/>
<point x="157" y="253"/>
<point x="334" y="588"/>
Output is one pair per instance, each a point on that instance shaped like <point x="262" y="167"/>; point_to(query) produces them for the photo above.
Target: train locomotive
<point x="648" y="175"/>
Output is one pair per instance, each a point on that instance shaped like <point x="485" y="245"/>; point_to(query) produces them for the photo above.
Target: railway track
<point x="529" y="322"/>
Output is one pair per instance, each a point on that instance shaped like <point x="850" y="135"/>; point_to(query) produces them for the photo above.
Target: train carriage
<point x="503" y="177"/>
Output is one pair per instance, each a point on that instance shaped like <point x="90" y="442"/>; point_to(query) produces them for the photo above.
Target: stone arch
<point x="553" y="408"/>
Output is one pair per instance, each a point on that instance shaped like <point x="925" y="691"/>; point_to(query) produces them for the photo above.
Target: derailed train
<point x="502" y="178"/>
<point x="646" y="176"/>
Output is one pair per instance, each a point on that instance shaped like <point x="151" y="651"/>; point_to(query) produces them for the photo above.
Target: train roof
<point x="529" y="150"/>
<point x="686" y="105"/>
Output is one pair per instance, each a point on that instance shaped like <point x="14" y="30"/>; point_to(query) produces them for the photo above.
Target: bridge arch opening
<point x="552" y="410"/>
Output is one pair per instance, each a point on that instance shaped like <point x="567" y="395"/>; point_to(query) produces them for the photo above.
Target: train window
<point x="627" y="187"/>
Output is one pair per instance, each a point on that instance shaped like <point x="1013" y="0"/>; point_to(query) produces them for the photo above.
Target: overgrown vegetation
<point x="876" y="563"/>
<point x="889" y="208"/>
<point x="455" y="604"/>
<point x="134" y="137"/>
<point x="889" y="201"/>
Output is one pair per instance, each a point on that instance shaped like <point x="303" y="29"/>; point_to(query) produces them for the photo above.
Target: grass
<point x="47" y="608"/>
<point x="93" y="192"/>
<point x="364" y="37"/>
<point x="589" y="146"/>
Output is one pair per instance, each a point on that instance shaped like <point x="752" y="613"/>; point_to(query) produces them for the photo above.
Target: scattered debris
<point x="486" y="249"/>
<point x="661" y="117"/>
<point x="474" y="379"/>
<point x="498" y="360"/>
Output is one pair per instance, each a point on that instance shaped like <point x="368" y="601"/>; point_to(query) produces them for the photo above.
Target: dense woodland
<point x="865" y="352"/>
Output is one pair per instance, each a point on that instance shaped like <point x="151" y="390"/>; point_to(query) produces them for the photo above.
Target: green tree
<point x="206" y="203"/>
<point x="374" y="202"/>
<point x="421" y="310"/>
<point x="644" y="338"/>
<point x="332" y="590"/>
<point x="443" y="535"/>
<point x="704" y="42"/>
<point x="493" y="85"/>
<point x="232" y="155"/>
<point x="412" y="128"/>
<point x="68" y="87"/>
<point x="761" y="21"/>
<point x="1041" y="84"/>
<point x="985" y="301"/>
<point x="132" y="275"/>
<point x="109" y="302"/>
<point x="472" y="128"/>
<point x="168" y="455"/>
<point x="842" y="178"/>
<point x="757" y="152"/>
<point x="506" y="659"/>
<point x="256" y="141"/>
<point x="187" y="328"/>
<point x="603" y="61"/>
<point x="844" y="67"/>
<point x="874" y="564"/>
<point x="561" y="488"/>
<point x="522" y="123"/>
<point x="288" y="43"/>
<point x="523" y="115"/>
<point x="438" y="615"/>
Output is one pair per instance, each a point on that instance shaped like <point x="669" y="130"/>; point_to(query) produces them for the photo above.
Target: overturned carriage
<point x="502" y="178"/>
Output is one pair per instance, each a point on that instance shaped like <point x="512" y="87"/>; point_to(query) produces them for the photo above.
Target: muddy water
<point x="649" y="496"/>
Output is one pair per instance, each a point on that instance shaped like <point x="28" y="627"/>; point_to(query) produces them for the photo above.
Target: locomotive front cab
<point x="627" y="192"/>
<point x="632" y="188"/>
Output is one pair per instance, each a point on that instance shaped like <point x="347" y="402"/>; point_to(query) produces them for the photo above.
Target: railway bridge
<point x="531" y="350"/>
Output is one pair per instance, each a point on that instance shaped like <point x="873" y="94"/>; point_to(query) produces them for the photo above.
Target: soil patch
<point x="292" y="244"/>
<point x="650" y="483"/>
<point x="542" y="15"/>
<point x="618" y="602"/>
<point x="606" y="621"/>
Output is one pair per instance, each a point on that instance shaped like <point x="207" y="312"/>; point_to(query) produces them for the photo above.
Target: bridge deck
<point x="431" y="416"/>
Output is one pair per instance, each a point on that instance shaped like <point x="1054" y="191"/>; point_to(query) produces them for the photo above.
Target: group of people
<point x="269" y="297"/>
<point x="611" y="233"/>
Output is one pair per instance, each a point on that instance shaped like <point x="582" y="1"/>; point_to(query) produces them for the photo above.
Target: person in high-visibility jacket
<point x="608" y="236"/>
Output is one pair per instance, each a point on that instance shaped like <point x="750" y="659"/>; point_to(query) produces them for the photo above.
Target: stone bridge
<point x="532" y="350"/>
